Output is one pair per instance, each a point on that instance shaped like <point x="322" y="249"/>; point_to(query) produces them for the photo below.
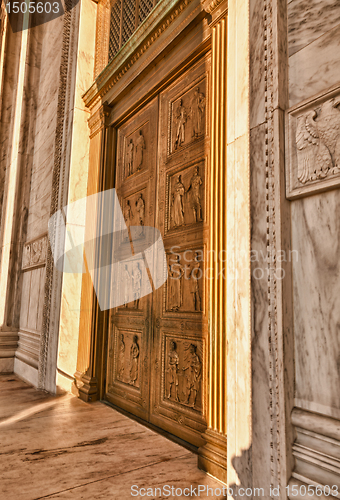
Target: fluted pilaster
<point x="213" y="456"/>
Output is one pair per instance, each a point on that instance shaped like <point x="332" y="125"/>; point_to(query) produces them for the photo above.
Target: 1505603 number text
<point x="33" y="7"/>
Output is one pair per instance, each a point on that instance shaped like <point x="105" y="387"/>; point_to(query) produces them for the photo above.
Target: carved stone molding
<point x="316" y="450"/>
<point x="313" y="145"/>
<point x="8" y="343"/>
<point x="210" y="7"/>
<point x="213" y="455"/>
<point x="99" y="119"/>
<point x="34" y="253"/>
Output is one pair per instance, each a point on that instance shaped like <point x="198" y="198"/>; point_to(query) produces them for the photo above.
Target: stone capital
<point x="216" y="8"/>
<point x="98" y="120"/>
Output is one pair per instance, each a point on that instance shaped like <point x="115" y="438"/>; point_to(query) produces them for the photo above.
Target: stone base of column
<point x="86" y="387"/>
<point x="212" y="457"/>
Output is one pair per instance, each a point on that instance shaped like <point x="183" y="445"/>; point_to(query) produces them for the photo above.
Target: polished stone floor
<point x="61" y="447"/>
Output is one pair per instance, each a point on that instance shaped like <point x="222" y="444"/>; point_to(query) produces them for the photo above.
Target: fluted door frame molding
<point x="229" y="365"/>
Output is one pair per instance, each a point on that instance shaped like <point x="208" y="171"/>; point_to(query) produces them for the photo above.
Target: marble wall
<point x="313" y="38"/>
<point x="295" y="321"/>
<point x="45" y="125"/>
<point x="42" y="143"/>
<point x="43" y="74"/>
<point x="81" y="79"/>
<point x="313" y="63"/>
<point x="316" y="237"/>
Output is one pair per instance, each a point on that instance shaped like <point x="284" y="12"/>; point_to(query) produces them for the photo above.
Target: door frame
<point x="229" y="369"/>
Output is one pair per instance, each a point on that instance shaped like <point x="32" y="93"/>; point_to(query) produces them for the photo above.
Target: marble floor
<point x="61" y="447"/>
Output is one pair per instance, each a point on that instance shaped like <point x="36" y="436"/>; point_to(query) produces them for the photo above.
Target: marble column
<point x="87" y="385"/>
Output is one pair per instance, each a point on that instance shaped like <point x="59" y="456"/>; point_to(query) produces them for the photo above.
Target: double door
<point x="157" y="342"/>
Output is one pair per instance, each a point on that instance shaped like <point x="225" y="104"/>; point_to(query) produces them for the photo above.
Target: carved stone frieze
<point x="186" y="197"/>
<point x="134" y="361"/>
<point x="134" y="211"/>
<point x="183" y="371"/>
<point x="185" y="281"/>
<point x="187" y="116"/>
<point x="136" y="151"/>
<point x="34" y="253"/>
<point x="127" y="354"/>
<point x="130" y="286"/>
<point x="313" y="147"/>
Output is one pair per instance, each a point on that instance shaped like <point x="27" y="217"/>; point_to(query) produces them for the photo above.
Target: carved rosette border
<point x="58" y="176"/>
<point x="271" y="246"/>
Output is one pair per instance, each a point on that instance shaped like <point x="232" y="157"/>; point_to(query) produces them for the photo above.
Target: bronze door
<point x="157" y="345"/>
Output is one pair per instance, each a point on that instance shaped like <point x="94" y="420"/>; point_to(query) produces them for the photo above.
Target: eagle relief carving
<point x="318" y="142"/>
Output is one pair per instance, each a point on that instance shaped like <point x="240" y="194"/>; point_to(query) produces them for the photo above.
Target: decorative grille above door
<point x="125" y="17"/>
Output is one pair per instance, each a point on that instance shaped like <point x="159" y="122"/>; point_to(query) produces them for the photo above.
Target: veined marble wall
<point x="78" y="166"/>
<point x="316" y="237"/>
<point x="294" y="78"/>
<point x="52" y="165"/>
<point x="312" y="187"/>
<point x="43" y="75"/>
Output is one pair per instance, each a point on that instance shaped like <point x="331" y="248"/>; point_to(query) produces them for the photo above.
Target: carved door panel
<point x="180" y="334"/>
<point x="157" y="348"/>
<point x="130" y="335"/>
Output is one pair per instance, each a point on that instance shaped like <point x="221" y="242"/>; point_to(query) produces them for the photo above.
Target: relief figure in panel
<point x="125" y="283"/>
<point x="181" y="115"/>
<point x="175" y="297"/>
<point x="129" y="158"/>
<point x="127" y="214"/>
<point x="177" y="202"/>
<point x="121" y="358"/>
<point x="137" y="284"/>
<point x="140" y="207"/>
<point x="134" y="359"/>
<point x="318" y="142"/>
<point x="193" y="371"/>
<point x="195" y="276"/>
<point x="197" y="113"/>
<point x="140" y="146"/>
<point x="194" y="191"/>
<point x="173" y="362"/>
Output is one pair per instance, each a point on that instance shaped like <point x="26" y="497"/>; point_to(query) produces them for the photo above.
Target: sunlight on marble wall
<point x="77" y="189"/>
